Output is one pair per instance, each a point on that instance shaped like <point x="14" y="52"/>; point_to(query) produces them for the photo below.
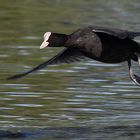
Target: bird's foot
<point x="134" y="77"/>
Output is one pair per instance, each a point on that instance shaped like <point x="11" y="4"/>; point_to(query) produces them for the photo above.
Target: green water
<point x="88" y="94"/>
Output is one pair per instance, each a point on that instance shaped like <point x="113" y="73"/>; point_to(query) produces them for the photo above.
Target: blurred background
<point x="88" y="94"/>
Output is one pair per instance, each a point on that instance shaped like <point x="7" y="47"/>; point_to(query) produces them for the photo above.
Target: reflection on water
<point x="87" y="94"/>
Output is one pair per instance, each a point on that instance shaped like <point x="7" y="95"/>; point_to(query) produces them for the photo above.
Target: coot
<point x="108" y="45"/>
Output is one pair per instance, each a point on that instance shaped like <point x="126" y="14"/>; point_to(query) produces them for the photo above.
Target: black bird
<point x="108" y="45"/>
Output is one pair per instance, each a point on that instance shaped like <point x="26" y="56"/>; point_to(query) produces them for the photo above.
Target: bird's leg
<point x="138" y="55"/>
<point x="134" y="77"/>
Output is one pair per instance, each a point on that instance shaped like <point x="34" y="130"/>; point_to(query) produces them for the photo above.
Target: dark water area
<point x="61" y="99"/>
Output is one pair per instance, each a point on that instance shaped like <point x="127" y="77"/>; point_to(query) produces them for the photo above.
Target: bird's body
<point x="105" y="47"/>
<point x="99" y="43"/>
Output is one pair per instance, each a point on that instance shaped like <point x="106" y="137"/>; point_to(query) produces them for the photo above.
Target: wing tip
<point x="16" y="76"/>
<point x="13" y="77"/>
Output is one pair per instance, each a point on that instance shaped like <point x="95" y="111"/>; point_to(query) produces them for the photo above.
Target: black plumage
<point x="106" y="45"/>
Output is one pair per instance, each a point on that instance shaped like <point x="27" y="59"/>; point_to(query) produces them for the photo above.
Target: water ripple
<point x="28" y="105"/>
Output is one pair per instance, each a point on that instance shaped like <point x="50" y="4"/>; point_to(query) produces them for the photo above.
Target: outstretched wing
<point x="68" y="55"/>
<point x="122" y="34"/>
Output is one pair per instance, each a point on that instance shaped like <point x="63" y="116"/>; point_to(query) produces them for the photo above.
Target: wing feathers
<point x="122" y="34"/>
<point x="66" y="56"/>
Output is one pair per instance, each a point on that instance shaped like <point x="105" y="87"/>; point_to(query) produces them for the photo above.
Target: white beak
<point x="45" y="42"/>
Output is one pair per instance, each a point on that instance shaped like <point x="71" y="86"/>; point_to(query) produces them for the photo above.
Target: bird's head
<point x="53" y="40"/>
